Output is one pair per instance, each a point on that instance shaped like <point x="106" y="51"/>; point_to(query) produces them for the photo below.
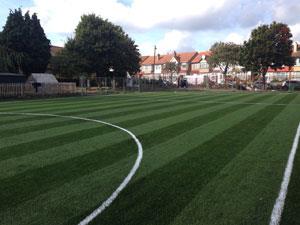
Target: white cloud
<point x="173" y="40"/>
<point x="63" y="16"/>
<point x="295" y="29"/>
<point x="235" y="38"/>
<point x="286" y="11"/>
<point x="178" y="19"/>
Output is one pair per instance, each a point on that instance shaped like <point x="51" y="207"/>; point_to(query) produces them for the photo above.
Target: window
<point x="204" y="65"/>
<point x="195" y="66"/>
<point x="183" y="65"/>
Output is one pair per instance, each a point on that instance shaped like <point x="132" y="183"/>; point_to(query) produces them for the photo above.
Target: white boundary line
<point x="279" y="204"/>
<point x="127" y="179"/>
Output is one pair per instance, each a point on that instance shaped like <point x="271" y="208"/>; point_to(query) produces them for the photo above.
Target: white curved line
<point x="127" y="179"/>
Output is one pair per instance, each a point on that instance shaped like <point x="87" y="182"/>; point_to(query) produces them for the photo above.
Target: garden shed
<point x="42" y="78"/>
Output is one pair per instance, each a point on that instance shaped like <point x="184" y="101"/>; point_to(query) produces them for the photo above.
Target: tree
<point x="10" y="61"/>
<point x="24" y="35"/>
<point x="38" y="49"/>
<point x="101" y="45"/>
<point x="68" y="62"/>
<point x="270" y="46"/>
<point x="224" y="56"/>
<point x="171" y="68"/>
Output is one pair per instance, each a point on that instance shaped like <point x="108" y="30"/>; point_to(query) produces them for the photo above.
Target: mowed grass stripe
<point x="146" y="103"/>
<point x="12" y="166"/>
<point x="96" y="101"/>
<point x="42" y="144"/>
<point x="95" y="104"/>
<point x="291" y="211"/>
<point x="161" y="115"/>
<point x="165" y="192"/>
<point x="71" y="202"/>
<point x="79" y="100"/>
<point x="6" y="142"/>
<point x="82" y="111"/>
<point x="153" y="158"/>
<point x="75" y="167"/>
<point x="24" y="127"/>
<point x="230" y="198"/>
<point x="182" y="126"/>
<point x="27" y="185"/>
<point x="53" y="120"/>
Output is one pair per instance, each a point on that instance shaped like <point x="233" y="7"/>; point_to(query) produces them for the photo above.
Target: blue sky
<point x="171" y="25"/>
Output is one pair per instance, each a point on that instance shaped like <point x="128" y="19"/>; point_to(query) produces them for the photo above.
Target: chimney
<point x="158" y="56"/>
<point x="175" y="54"/>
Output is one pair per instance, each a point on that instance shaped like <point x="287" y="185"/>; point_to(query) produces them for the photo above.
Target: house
<point x="12" y="78"/>
<point x="153" y="67"/>
<point x="200" y="64"/>
<point x="147" y="63"/>
<point x="185" y="60"/>
<point x="54" y="50"/>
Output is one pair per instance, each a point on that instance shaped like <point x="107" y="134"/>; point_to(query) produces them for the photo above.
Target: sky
<point x="171" y="25"/>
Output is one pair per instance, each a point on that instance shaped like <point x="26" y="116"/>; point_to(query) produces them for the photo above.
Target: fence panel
<point x="27" y="89"/>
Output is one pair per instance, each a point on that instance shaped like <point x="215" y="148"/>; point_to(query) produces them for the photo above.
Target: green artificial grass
<point x="208" y="159"/>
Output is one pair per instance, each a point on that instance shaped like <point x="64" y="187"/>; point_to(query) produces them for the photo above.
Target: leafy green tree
<point x="171" y="68"/>
<point x="225" y="56"/>
<point x="24" y="35"/>
<point x="100" y="45"/>
<point x="68" y="63"/>
<point x="38" y="49"/>
<point x="10" y="61"/>
<point x="270" y="46"/>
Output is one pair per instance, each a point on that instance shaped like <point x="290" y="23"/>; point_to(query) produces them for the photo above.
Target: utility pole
<point x="154" y="61"/>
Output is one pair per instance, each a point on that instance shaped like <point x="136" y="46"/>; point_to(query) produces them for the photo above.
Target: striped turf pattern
<point x="204" y="162"/>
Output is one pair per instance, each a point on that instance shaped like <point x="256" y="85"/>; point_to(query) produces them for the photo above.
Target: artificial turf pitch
<point x="209" y="158"/>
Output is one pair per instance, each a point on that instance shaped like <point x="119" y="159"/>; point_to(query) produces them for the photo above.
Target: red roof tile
<point x="143" y="58"/>
<point x="148" y="61"/>
<point x="159" y="59"/>
<point x="186" y="56"/>
<point x="198" y="58"/>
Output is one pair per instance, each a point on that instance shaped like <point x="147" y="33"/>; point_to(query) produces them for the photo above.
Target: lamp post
<point x="111" y="70"/>
<point x="154" y="61"/>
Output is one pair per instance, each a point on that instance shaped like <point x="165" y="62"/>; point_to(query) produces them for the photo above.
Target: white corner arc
<point x="279" y="204"/>
<point x="127" y="179"/>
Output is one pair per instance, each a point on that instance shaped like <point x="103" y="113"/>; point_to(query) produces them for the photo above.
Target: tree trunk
<point x="264" y="72"/>
<point x="225" y="75"/>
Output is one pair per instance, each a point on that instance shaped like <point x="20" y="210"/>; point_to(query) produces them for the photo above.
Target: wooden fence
<point x="27" y="89"/>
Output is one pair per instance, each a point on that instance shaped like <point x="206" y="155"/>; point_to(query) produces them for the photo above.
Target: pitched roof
<point x="162" y="59"/>
<point x="182" y="57"/>
<point x="185" y="57"/>
<point x="198" y="58"/>
<point x="143" y="58"/>
<point x="148" y="61"/>
<point x="159" y="59"/>
<point x="42" y="78"/>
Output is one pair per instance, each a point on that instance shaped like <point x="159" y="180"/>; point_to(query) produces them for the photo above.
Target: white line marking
<point x="127" y="179"/>
<point x="279" y="204"/>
